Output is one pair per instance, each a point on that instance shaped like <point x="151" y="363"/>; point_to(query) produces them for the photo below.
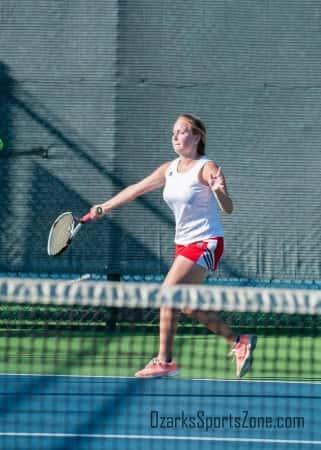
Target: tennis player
<point x="195" y="189"/>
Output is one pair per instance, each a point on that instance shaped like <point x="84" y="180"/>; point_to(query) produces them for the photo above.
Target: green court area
<point x="123" y="353"/>
<point x="88" y="340"/>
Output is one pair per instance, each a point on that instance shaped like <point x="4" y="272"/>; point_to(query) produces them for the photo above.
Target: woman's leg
<point x="185" y="271"/>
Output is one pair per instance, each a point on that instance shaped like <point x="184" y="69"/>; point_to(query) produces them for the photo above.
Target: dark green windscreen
<point x="101" y="84"/>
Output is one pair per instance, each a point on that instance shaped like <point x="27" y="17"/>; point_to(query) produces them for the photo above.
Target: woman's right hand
<point x="97" y="211"/>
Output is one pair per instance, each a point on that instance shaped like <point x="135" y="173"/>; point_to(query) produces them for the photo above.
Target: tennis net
<point x="69" y="350"/>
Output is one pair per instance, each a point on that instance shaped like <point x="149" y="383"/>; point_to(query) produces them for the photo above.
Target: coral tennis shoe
<point x="157" y="368"/>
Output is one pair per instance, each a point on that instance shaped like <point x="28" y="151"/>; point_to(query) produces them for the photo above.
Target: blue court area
<point x="67" y="412"/>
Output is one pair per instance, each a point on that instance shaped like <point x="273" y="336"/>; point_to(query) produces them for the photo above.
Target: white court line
<point x="220" y="380"/>
<point x="156" y="437"/>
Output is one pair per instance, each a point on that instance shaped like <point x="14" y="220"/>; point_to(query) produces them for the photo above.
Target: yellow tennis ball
<point x="1" y="145"/>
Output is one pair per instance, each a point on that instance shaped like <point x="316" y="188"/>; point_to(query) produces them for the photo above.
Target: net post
<point x="112" y="311"/>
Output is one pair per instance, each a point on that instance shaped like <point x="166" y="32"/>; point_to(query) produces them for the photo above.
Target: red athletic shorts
<point x="204" y="253"/>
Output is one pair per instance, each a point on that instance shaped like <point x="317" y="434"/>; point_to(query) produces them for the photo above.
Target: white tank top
<point x="194" y="205"/>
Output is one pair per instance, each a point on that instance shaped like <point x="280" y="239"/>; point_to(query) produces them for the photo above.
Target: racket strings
<point x="60" y="234"/>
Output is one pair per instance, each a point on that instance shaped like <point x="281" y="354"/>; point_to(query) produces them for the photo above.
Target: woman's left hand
<point x="217" y="182"/>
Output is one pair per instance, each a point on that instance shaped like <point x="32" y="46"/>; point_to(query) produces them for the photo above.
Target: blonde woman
<point x="195" y="190"/>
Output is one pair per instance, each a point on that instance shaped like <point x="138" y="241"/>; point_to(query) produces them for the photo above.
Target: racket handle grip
<point x="85" y="218"/>
<point x="88" y="217"/>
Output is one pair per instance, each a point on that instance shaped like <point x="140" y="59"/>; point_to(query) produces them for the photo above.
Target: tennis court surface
<point x="68" y="352"/>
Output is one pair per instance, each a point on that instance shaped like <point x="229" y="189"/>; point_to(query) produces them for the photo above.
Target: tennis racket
<point x="64" y="229"/>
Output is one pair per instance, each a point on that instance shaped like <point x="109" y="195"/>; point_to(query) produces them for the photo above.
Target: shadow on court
<point x="166" y="413"/>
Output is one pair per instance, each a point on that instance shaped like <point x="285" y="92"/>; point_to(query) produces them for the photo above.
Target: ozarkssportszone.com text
<point x="202" y="421"/>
